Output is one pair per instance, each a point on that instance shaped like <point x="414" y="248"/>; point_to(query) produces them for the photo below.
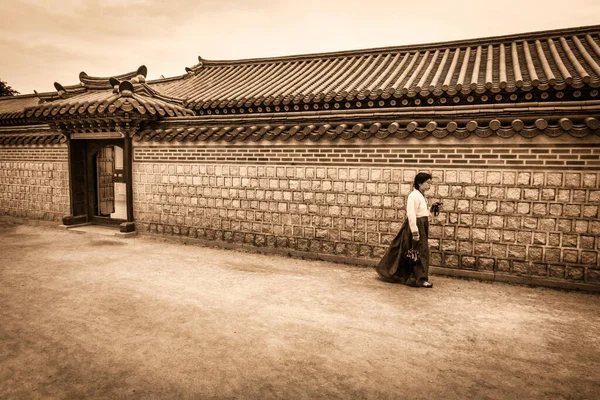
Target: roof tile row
<point x="20" y="140"/>
<point x="349" y="130"/>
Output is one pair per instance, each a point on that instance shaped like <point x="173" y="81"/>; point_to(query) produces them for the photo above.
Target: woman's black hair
<point x="421" y="177"/>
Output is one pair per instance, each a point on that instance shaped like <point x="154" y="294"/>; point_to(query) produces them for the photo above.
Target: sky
<point x="47" y="41"/>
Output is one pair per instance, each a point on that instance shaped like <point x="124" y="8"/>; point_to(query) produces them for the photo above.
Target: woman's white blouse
<point x="416" y="206"/>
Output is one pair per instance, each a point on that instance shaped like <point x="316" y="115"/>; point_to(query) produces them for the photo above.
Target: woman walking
<point x="401" y="263"/>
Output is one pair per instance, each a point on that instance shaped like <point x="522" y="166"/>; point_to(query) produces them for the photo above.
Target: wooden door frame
<point x="84" y="204"/>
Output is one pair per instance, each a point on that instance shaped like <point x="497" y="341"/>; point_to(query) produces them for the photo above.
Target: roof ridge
<point x="21" y="96"/>
<point x="164" y="80"/>
<point x="97" y="82"/>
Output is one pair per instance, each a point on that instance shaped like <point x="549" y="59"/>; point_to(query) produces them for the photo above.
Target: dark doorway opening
<point x="101" y="187"/>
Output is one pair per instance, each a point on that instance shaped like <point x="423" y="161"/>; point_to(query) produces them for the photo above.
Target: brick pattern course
<point x="489" y="156"/>
<point x="532" y="223"/>
<point x="52" y="153"/>
<point x="36" y="186"/>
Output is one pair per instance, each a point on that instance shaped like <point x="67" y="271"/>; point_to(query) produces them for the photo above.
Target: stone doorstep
<point x="98" y="229"/>
<point x="67" y="227"/>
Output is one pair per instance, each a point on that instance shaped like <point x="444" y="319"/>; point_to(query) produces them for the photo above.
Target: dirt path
<point x="89" y="316"/>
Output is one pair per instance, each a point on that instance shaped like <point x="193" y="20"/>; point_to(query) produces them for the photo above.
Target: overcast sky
<point x="43" y="41"/>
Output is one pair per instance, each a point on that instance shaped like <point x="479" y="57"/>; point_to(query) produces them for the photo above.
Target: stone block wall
<point x="507" y="208"/>
<point x="34" y="182"/>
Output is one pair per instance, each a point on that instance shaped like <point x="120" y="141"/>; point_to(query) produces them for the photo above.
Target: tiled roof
<point x="132" y="96"/>
<point x="30" y="135"/>
<point x="547" y="60"/>
<point x="560" y="65"/>
<point x="12" y="108"/>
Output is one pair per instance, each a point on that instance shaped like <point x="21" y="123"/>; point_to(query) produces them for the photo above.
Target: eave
<point x="553" y="119"/>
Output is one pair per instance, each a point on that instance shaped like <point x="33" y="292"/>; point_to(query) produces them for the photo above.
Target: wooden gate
<point x="106" y="188"/>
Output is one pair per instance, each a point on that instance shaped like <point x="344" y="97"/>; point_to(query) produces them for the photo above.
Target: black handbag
<point x="435" y="208"/>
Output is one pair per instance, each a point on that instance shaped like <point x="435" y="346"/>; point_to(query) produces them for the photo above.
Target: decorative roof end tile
<point x="126" y="89"/>
<point x="60" y="89"/>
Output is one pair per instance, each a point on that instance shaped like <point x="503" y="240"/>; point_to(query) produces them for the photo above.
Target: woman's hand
<point x="415" y="236"/>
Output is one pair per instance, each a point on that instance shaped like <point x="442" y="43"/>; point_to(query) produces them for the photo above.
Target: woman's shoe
<point x="427" y="285"/>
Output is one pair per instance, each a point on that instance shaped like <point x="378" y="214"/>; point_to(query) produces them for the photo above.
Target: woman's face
<point x="425" y="186"/>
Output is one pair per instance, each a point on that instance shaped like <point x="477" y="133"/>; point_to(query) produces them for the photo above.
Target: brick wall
<point x="34" y="182"/>
<point x="537" y="218"/>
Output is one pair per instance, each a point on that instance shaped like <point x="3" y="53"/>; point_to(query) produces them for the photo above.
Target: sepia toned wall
<point x="34" y="182"/>
<point x="521" y="208"/>
<point x="526" y="208"/>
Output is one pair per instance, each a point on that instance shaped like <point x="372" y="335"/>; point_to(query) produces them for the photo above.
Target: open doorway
<point x="110" y="195"/>
<point x="120" y="208"/>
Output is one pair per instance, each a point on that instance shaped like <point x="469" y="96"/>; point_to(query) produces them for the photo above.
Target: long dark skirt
<point x="394" y="267"/>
